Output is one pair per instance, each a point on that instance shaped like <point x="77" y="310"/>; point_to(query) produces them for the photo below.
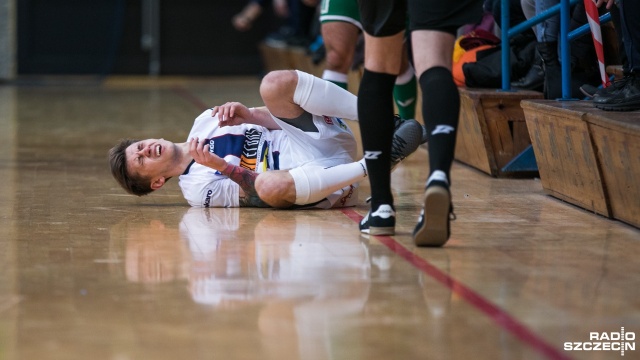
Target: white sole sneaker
<point x="433" y="225"/>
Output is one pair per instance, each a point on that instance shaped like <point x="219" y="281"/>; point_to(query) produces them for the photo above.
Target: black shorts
<point x="381" y="18"/>
<point x="388" y="17"/>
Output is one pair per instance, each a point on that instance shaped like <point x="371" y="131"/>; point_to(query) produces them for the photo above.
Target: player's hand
<point x="231" y="113"/>
<point x="200" y="153"/>
<point x="602" y="2"/>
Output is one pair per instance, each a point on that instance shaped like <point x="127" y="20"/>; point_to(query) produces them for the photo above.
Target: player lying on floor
<point x="296" y="151"/>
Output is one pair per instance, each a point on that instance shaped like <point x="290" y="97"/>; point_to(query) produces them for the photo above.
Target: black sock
<point x="375" y="113"/>
<point x="440" y="111"/>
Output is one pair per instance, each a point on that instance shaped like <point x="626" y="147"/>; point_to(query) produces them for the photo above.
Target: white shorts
<point x="333" y="144"/>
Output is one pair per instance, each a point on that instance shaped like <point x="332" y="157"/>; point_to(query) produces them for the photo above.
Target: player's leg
<point x="384" y="24"/>
<point x="340" y="26"/>
<point x="440" y="109"/>
<point x="308" y="184"/>
<point x="276" y="188"/>
<point x="441" y="100"/>
<point x="405" y="90"/>
<point x="312" y="183"/>
<point x="288" y="94"/>
<point x="433" y="38"/>
<point x="340" y="40"/>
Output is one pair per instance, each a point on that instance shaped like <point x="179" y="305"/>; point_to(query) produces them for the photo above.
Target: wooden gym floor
<point x="89" y="272"/>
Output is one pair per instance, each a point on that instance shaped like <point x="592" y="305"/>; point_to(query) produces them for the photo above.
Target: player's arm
<point x="241" y="176"/>
<point x="235" y="113"/>
<point x="247" y="181"/>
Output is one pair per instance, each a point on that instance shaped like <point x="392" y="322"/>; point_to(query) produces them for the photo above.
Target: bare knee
<point x="276" y="188"/>
<point x="276" y="84"/>
<point x="340" y="41"/>
<point x="339" y="61"/>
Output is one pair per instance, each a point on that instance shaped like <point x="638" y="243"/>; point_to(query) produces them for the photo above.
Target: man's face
<point x="152" y="158"/>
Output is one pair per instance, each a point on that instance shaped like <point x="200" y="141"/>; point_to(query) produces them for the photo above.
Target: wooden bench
<point x="588" y="157"/>
<point x="492" y="129"/>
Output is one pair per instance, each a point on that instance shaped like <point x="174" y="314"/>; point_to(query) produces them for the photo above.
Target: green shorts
<point x="340" y="10"/>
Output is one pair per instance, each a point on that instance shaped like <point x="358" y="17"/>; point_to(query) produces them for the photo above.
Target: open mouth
<point x="158" y="150"/>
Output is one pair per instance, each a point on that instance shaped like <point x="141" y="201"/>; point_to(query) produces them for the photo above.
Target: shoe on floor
<point x="433" y="228"/>
<point x="382" y="221"/>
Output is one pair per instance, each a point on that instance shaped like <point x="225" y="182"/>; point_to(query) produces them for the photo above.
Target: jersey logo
<point x="249" y="158"/>
<point x="207" y="198"/>
<point x="442" y="129"/>
<point x="327" y="120"/>
<point x="372" y="155"/>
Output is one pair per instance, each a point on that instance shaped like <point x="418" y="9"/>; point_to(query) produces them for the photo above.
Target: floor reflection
<point x="304" y="284"/>
<point x="287" y="257"/>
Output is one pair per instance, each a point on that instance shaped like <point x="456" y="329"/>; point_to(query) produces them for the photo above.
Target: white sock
<point x="321" y="97"/>
<point x="335" y="76"/>
<point x="314" y="183"/>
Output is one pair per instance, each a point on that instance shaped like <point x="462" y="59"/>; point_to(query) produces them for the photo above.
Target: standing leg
<point x="340" y="25"/>
<point x="547" y="33"/>
<point x="375" y="109"/>
<point x="630" y="24"/>
<point x="340" y="40"/>
<point x="433" y="37"/>
<point x="384" y="24"/>
<point x="405" y="89"/>
<point x="440" y="109"/>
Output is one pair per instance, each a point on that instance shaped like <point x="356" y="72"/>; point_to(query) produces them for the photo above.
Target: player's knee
<point x="337" y="60"/>
<point x="276" y="82"/>
<point x="275" y="189"/>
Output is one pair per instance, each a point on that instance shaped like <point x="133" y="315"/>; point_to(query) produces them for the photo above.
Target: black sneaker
<point x="407" y="137"/>
<point x="397" y="120"/>
<point x="433" y="227"/>
<point x="615" y="86"/>
<point x="380" y="222"/>
<point x="624" y="97"/>
<point x="591" y="91"/>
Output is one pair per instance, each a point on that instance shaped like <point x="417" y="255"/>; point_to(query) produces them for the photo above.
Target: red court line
<point x="501" y="317"/>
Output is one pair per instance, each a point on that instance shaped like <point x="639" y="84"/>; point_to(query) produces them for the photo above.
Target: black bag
<point x="486" y="72"/>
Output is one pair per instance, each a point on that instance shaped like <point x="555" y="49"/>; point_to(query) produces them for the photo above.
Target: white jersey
<point x="259" y="149"/>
